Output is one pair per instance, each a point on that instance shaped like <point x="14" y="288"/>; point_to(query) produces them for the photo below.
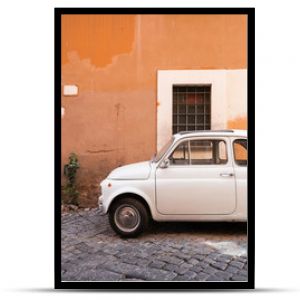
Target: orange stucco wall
<point x="237" y="123"/>
<point x="113" y="59"/>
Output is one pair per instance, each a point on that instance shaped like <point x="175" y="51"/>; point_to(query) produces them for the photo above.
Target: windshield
<point x="162" y="151"/>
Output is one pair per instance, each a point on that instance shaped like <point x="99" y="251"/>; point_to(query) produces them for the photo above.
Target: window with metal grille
<point x="191" y="108"/>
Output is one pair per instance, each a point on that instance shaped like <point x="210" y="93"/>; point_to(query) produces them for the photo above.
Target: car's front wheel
<point x="128" y="217"/>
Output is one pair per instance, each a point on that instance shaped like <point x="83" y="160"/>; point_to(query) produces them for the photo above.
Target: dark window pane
<point x="174" y="109"/>
<point x="207" y="98"/>
<point x="175" y="96"/>
<point x="191" y="119"/>
<point x="192" y="103"/>
<point x="190" y="99"/>
<point x="207" y="126"/>
<point x="182" y="119"/>
<point x="207" y="108"/>
<point x="199" y="98"/>
<point x="200" y="89"/>
<point x="181" y="109"/>
<point x="174" y="119"/>
<point x="200" y="109"/>
<point x="200" y="120"/>
<point x="181" y="89"/>
<point x="181" y="98"/>
<point x="191" y="109"/>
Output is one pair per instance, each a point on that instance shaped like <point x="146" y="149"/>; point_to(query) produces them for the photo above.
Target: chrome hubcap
<point x="127" y="218"/>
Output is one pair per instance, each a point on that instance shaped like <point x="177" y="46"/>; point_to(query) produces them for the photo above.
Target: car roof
<point x="211" y="133"/>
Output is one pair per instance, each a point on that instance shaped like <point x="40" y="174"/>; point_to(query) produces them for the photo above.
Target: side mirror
<point x="165" y="163"/>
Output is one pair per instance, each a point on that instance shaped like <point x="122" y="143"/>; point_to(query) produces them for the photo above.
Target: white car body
<point x="214" y="192"/>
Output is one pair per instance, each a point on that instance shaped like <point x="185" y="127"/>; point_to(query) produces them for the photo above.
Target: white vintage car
<point x="196" y="176"/>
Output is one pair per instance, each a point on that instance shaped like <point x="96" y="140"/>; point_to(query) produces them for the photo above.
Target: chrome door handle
<point x="226" y="174"/>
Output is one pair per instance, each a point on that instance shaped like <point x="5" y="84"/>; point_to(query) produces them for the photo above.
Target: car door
<point x="199" y="179"/>
<point x="240" y="156"/>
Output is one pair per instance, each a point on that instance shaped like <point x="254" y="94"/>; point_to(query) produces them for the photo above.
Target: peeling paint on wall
<point x="70" y="90"/>
<point x="97" y="37"/>
<point x="100" y="151"/>
<point x="237" y="123"/>
<point x="116" y="61"/>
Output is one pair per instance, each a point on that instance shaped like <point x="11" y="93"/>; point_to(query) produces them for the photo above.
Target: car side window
<point x="240" y="152"/>
<point x="208" y="152"/>
<point x="180" y="155"/>
<point x="199" y="152"/>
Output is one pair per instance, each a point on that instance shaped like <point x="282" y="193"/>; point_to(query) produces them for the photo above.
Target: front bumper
<point x="100" y="204"/>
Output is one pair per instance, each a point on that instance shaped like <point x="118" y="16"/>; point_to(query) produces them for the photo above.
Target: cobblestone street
<point x="91" y="251"/>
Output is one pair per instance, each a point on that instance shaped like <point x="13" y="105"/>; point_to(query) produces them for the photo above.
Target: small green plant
<point x="70" y="189"/>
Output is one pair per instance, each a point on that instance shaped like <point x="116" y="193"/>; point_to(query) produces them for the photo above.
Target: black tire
<point x="133" y="210"/>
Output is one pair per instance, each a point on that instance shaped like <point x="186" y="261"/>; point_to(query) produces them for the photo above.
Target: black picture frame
<point x="167" y="285"/>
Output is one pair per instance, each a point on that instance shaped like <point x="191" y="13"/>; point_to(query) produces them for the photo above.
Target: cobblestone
<point x="218" y="265"/>
<point x="157" y="264"/>
<point x="188" y="276"/>
<point x="170" y="259"/>
<point x="223" y="275"/>
<point x="237" y="264"/>
<point x="193" y="261"/>
<point x="239" y="278"/>
<point x="201" y="276"/>
<point x="224" y="258"/>
<point x="232" y="270"/>
<point x="196" y="268"/>
<point x="91" y="251"/>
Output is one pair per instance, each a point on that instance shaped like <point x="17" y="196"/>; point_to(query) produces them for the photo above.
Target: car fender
<point x="130" y="190"/>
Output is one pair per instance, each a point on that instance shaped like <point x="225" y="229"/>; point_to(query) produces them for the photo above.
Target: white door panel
<point x="195" y="190"/>
<point x="241" y="189"/>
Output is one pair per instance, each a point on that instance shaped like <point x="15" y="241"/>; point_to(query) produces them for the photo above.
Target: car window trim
<point x="184" y="139"/>
<point x="233" y="152"/>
